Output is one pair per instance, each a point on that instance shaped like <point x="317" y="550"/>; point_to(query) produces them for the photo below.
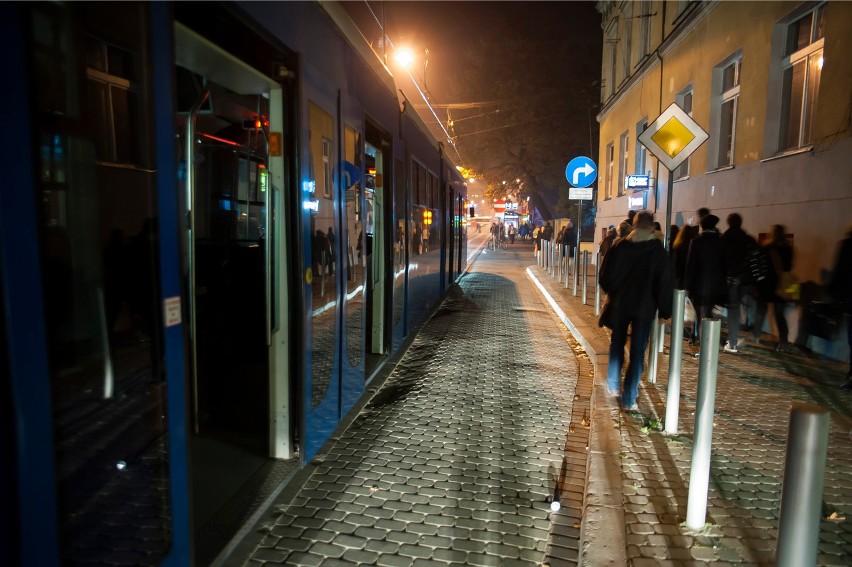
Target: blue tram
<point x="219" y="221"/>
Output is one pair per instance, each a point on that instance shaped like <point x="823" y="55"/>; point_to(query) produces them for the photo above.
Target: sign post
<point x="672" y="138"/>
<point x="580" y="173"/>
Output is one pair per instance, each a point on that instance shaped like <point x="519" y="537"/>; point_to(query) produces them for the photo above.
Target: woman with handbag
<point x="778" y="288"/>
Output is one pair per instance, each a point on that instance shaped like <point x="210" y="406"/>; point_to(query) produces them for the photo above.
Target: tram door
<point x="377" y="156"/>
<point x="226" y="111"/>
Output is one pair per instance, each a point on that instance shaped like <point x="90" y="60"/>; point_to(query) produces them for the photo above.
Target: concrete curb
<point x="603" y="538"/>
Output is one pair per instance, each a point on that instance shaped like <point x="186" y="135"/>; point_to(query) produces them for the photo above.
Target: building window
<point x="644" y="29"/>
<point x="684" y="100"/>
<point x="641" y="151"/>
<point x="726" y="86"/>
<point x="610" y="168"/>
<point x="626" y="41"/>
<point x="610" y="45"/>
<point x="802" y="64"/>
<point x="623" y="151"/>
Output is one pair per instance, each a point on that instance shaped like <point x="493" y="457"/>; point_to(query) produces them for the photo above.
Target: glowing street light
<point x="404" y="57"/>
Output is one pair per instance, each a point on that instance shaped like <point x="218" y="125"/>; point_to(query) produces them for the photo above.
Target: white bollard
<point x="699" y="477"/>
<point x="675" y="358"/>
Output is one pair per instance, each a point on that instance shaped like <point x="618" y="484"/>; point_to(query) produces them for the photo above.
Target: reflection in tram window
<point x="323" y="295"/>
<point x="100" y="267"/>
<point x="353" y="167"/>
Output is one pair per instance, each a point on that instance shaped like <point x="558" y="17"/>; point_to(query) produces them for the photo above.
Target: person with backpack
<point x="737" y="246"/>
<point x="705" y="270"/>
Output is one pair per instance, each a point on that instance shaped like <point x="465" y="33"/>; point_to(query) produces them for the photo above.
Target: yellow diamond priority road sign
<point x="673" y="137"/>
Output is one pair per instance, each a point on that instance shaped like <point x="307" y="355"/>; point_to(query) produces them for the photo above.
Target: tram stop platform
<point x="499" y="405"/>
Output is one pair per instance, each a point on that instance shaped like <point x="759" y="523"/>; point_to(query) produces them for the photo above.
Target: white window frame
<point x="626" y="42"/>
<point x="717" y="154"/>
<point x="802" y="56"/>
<point x="641" y="165"/>
<point x="682" y="171"/>
<point x="610" y="168"/>
<point x="623" y="158"/>
<point x="644" y="41"/>
<point x="610" y="59"/>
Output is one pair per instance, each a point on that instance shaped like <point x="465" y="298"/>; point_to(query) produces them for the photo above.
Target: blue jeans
<point x="641" y="330"/>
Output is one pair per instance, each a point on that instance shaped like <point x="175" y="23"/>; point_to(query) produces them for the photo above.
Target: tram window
<point x="188" y="87"/>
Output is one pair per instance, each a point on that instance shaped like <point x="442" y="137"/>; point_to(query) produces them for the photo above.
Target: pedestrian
<point x="673" y="230"/>
<point x="622" y="231"/>
<point x="331" y="245"/>
<point x="780" y="254"/>
<point x="548" y="232"/>
<point x="679" y="252"/>
<point x="658" y="232"/>
<point x="705" y="270"/>
<point x="512" y="232"/>
<point x="840" y="289"/>
<point x="737" y="244"/>
<point x="495" y="235"/>
<point x="631" y="214"/>
<point x="607" y="241"/>
<point x="636" y="276"/>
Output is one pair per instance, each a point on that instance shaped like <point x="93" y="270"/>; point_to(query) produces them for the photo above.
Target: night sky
<point x="538" y="63"/>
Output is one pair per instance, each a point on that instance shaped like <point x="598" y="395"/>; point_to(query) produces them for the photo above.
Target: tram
<point x="218" y="222"/>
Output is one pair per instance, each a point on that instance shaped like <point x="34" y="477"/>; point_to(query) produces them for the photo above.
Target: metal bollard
<point x="675" y="358"/>
<point x="552" y="257"/>
<point x="585" y="273"/>
<point x="801" y="491"/>
<point x="568" y="264"/>
<point x="597" y="284"/>
<point x="558" y="262"/>
<point x="652" y="351"/>
<point x="661" y="339"/>
<point x="576" y="269"/>
<point x="699" y="477"/>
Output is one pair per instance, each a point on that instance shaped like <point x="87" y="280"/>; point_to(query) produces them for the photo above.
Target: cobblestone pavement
<point x="457" y="455"/>
<point x="754" y="392"/>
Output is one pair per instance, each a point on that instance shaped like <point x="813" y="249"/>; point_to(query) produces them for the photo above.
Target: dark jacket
<point x="705" y="270"/>
<point x="637" y="277"/>
<point x="780" y="260"/>
<point x="736" y="245"/>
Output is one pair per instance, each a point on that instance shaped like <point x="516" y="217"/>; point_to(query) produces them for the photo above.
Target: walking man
<point x="637" y="278"/>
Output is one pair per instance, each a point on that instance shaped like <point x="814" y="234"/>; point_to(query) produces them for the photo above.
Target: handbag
<point x="689" y="315"/>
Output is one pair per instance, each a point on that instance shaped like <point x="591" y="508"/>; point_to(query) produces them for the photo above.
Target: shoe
<point x="730" y="349"/>
<point x="632" y="407"/>
<point x="611" y="393"/>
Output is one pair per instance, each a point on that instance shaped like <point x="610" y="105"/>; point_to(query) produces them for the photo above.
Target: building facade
<point x="770" y="82"/>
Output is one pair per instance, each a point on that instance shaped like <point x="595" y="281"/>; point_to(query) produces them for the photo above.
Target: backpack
<point x="756" y="268"/>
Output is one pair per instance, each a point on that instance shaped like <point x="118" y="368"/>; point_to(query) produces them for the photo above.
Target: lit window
<point x="623" y="151"/>
<point x="802" y="69"/>
<point x="641" y="151"/>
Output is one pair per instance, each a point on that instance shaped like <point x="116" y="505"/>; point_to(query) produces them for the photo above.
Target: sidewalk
<point x="636" y="517"/>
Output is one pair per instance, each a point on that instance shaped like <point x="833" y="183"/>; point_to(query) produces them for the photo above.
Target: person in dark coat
<point x="637" y="278"/>
<point x="705" y="270"/>
<point x="736" y="245"/>
<point x="840" y="289"/>
<point x="780" y="254"/>
<point x="607" y="241"/>
<point x="679" y="252"/>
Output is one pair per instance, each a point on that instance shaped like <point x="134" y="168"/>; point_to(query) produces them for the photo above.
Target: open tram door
<point x="378" y="261"/>
<point x="228" y="116"/>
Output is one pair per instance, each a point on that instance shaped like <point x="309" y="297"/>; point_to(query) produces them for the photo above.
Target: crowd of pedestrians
<point x="725" y="273"/>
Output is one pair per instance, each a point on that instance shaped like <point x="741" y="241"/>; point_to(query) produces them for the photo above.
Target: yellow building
<point x="770" y="82"/>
